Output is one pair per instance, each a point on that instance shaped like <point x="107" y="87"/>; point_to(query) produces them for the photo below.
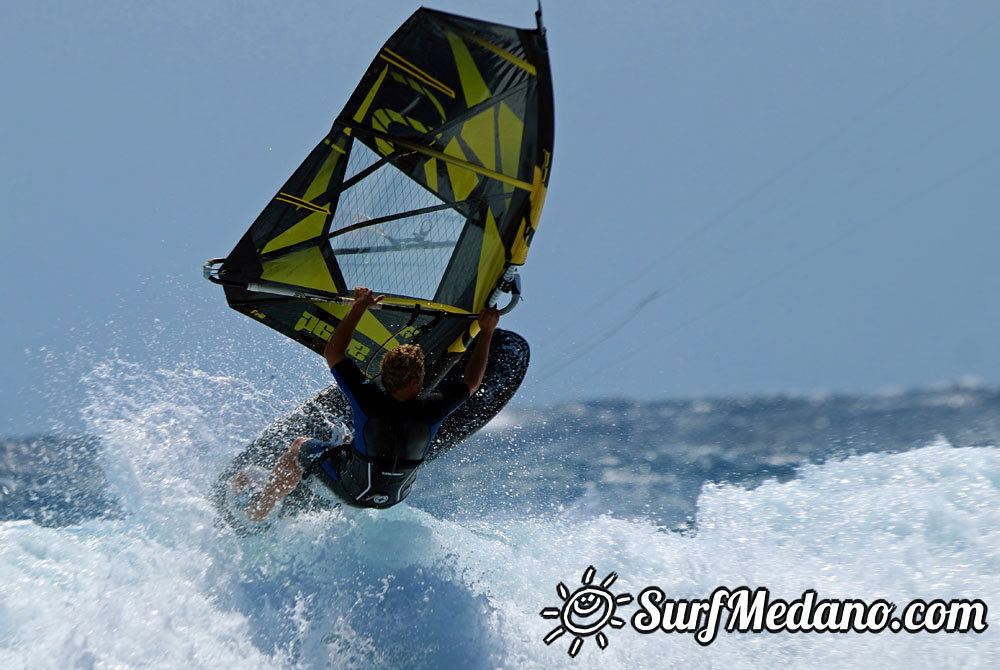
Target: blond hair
<point x="401" y="366"/>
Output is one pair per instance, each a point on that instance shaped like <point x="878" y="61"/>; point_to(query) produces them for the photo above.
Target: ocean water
<point x="111" y="557"/>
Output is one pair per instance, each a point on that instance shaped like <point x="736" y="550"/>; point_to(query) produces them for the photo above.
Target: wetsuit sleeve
<point x="348" y="377"/>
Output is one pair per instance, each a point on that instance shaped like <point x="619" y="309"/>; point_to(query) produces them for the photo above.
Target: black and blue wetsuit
<point x="391" y="439"/>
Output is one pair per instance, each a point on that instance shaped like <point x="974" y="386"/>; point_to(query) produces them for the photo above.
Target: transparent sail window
<point x="406" y="256"/>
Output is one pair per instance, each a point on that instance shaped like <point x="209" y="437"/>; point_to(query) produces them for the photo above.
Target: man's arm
<point x="336" y="347"/>
<point x="476" y="367"/>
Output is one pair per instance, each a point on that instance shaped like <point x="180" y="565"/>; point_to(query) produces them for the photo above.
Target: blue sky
<point x="745" y="197"/>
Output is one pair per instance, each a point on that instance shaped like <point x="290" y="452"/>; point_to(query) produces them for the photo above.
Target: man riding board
<point x="393" y="428"/>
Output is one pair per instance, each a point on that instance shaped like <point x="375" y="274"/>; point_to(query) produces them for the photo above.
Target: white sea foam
<point x="507" y="419"/>
<point x="164" y="588"/>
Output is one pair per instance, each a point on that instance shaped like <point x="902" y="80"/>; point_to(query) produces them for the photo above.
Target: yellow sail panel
<point x="519" y="250"/>
<point x="491" y="260"/>
<point x="369" y="326"/>
<point x="336" y="309"/>
<point x="510" y="131"/>
<point x="321" y="182"/>
<point x="306" y="229"/>
<point x="473" y="85"/>
<point x="462" y="342"/>
<point x="479" y="133"/>
<point x="463" y="180"/>
<point x="538" y="192"/>
<point x="431" y="175"/>
<point x="372" y="328"/>
<point x="306" y="268"/>
<point x="363" y="108"/>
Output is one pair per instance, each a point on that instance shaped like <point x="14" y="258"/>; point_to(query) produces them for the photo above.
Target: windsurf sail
<point x="428" y="189"/>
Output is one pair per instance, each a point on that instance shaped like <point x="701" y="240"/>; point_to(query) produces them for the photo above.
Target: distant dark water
<point x="53" y="481"/>
<point x="651" y="459"/>
<point x="628" y="459"/>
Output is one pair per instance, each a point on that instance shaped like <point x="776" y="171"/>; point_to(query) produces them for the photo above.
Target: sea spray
<point x="163" y="586"/>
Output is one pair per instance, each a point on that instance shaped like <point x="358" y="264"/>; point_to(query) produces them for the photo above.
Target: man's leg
<point x="285" y="476"/>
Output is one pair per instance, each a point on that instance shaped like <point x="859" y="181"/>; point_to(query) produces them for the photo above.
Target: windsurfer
<point x="393" y="428"/>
